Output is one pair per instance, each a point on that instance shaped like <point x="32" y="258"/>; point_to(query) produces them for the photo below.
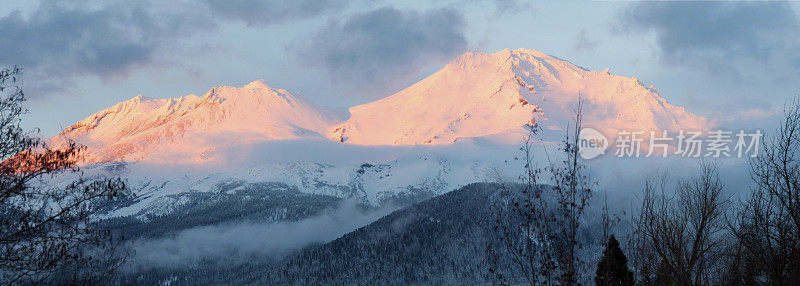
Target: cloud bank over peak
<point x="383" y="49"/>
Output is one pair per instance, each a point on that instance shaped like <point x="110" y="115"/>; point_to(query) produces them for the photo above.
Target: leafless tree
<point x="538" y="225"/>
<point x="522" y="223"/>
<point x="642" y="256"/>
<point x="683" y="233"/>
<point x="572" y="187"/>
<point x="46" y="231"/>
<point x="768" y="223"/>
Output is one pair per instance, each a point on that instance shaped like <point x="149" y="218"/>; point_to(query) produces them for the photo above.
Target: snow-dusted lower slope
<point x="192" y="128"/>
<point x="484" y="94"/>
<point x="376" y="176"/>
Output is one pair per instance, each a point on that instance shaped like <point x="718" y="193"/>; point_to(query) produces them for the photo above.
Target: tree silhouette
<point x="768" y="223"/>
<point x="684" y="231"/>
<point x="47" y="235"/>
<point x="613" y="267"/>
<point x="537" y="227"/>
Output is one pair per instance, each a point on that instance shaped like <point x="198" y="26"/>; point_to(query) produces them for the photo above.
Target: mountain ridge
<point x="253" y="112"/>
<point x="476" y="95"/>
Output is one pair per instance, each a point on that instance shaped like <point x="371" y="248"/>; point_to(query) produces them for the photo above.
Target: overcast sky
<point x="724" y="60"/>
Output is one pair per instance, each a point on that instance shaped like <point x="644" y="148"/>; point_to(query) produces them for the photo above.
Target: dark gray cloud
<point x="262" y="13"/>
<point x="62" y="40"/>
<point x="717" y="35"/>
<point x="382" y="49"/>
<point x="59" y="40"/>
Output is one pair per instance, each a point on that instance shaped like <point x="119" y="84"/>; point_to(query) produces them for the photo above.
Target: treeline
<point x="697" y="234"/>
<point x="691" y="234"/>
<point x="255" y="202"/>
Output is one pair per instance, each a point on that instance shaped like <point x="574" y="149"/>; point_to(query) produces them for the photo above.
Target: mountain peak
<point x="131" y="129"/>
<point x="481" y="94"/>
<point x="258" y="84"/>
<point x="532" y="52"/>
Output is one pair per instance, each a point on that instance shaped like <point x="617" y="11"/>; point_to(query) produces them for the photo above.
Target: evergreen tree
<point x="613" y="267"/>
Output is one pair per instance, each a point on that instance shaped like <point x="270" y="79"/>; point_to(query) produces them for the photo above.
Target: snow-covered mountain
<point x="477" y="95"/>
<point x="195" y="127"/>
<point x="254" y="135"/>
<point x="485" y="94"/>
